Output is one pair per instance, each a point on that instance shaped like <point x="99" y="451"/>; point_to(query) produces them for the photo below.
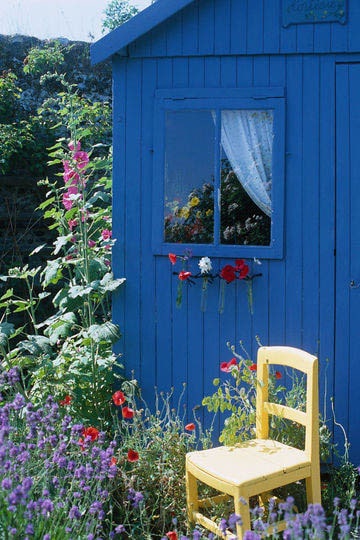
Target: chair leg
<point x="313" y="489"/>
<point x="242" y="509"/>
<point x="191" y="496"/>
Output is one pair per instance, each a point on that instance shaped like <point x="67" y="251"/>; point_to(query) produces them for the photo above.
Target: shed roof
<point x="143" y="22"/>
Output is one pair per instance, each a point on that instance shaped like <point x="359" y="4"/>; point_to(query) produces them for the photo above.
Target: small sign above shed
<point x="313" y="11"/>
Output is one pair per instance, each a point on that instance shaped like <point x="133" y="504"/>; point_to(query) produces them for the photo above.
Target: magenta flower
<point x="91" y="243"/>
<point x="82" y="159"/>
<point x="106" y="234"/>
<point x="72" y="145"/>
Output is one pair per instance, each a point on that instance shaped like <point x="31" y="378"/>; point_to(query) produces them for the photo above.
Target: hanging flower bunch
<point x="228" y="274"/>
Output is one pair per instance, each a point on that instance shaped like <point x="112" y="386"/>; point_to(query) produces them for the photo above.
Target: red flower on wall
<point x="190" y="427"/>
<point x="183" y="275"/>
<point x="228" y="273"/>
<point x="253" y="367"/>
<point x="172" y="258"/>
<point x="278" y="375"/>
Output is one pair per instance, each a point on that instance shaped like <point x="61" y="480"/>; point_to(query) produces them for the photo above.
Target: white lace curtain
<point x="247" y="137"/>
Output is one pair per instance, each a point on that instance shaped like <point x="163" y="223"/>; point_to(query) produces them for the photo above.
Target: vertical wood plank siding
<point x="245" y="27"/>
<point x="229" y="44"/>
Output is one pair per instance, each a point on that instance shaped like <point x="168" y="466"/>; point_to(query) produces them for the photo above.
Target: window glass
<point x="246" y="177"/>
<point x="189" y="176"/>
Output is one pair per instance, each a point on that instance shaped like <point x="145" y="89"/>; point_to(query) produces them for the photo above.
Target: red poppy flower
<point x="172" y="535"/>
<point x="66" y="401"/>
<point x="132" y="456"/>
<point x="172" y="258"/>
<point x="91" y="432"/>
<point x="239" y="263"/>
<point x="228" y="273"/>
<point x="127" y="412"/>
<point x="243" y="271"/>
<point x="113" y="461"/>
<point x="183" y="276"/>
<point x="253" y="367"/>
<point x="118" y="398"/>
<point x="278" y="375"/>
<point x="190" y="427"/>
<point x="227" y="366"/>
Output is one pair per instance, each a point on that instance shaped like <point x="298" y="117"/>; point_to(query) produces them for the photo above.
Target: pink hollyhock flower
<point x="72" y="145"/>
<point x="66" y="199"/>
<point x="106" y="234"/>
<point x="108" y="263"/>
<point x="82" y="159"/>
<point x="72" y="223"/>
<point x="91" y="243"/>
<point x="183" y="276"/>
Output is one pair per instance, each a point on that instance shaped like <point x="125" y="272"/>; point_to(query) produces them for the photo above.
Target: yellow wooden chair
<point x="257" y="466"/>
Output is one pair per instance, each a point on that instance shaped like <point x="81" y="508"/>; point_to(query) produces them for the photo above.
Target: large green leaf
<point x="62" y="327"/>
<point x="107" y="332"/>
<point x="109" y="284"/>
<point x="36" y="345"/>
<point x="52" y="273"/>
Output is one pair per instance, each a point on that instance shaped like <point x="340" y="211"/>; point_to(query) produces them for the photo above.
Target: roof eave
<point x="143" y="22"/>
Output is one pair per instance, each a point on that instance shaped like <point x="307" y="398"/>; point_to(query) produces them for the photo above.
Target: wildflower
<point x="183" y="275"/>
<point x="91" y="432"/>
<point x="72" y="223"/>
<point x="172" y="258"/>
<point x="91" y="243"/>
<point x="253" y="367"/>
<point x="278" y="375"/>
<point x="135" y="497"/>
<point x="132" y="456"/>
<point x="119" y="529"/>
<point x="106" y="234"/>
<point x="228" y="273"/>
<point x="228" y="366"/>
<point x="190" y="427"/>
<point x="127" y="412"/>
<point x="205" y="265"/>
<point x="172" y="535"/>
<point x="74" y="513"/>
<point x="66" y="401"/>
<point x="113" y="461"/>
<point x="118" y="398"/>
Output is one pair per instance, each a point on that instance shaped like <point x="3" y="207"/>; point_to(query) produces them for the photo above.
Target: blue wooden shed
<point x="237" y="136"/>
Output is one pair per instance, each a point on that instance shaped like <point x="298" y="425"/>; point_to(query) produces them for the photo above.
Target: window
<point x="219" y="173"/>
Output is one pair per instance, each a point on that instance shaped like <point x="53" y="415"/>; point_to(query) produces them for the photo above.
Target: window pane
<point x="246" y="176"/>
<point x="189" y="177"/>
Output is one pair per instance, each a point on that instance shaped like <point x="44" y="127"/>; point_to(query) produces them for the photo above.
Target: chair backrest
<point x="304" y="362"/>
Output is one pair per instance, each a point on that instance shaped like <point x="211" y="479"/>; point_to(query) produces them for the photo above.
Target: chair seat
<point x="260" y="459"/>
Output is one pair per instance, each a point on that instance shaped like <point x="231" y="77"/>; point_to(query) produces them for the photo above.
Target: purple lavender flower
<point x="120" y="529"/>
<point x="135" y="497"/>
<point x="74" y="513"/>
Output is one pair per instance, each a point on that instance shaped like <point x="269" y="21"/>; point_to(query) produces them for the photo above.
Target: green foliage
<point x="70" y="352"/>
<point x="40" y="60"/>
<point x="9" y="96"/>
<point x="237" y="396"/>
<point x="117" y="13"/>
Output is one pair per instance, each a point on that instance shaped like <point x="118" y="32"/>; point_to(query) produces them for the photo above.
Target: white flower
<point x="205" y="265"/>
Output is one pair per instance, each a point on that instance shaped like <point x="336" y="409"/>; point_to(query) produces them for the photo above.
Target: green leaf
<point x="6" y="330"/>
<point x="8" y="294"/>
<point x="61" y="242"/>
<point x="36" y="345"/>
<point x="46" y="203"/>
<point x="61" y="328"/>
<point x="37" y="249"/>
<point x="52" y="273"/>
<point x="108" y="283"/>
<point x="107" y="332"/>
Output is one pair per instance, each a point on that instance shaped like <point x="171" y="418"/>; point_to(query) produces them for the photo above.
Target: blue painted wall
<point x="303" y="299"/>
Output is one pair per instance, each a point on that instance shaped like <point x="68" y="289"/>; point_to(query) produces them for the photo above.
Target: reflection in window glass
<point x="189" y="177"/>
<point x="246" y="175"/>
